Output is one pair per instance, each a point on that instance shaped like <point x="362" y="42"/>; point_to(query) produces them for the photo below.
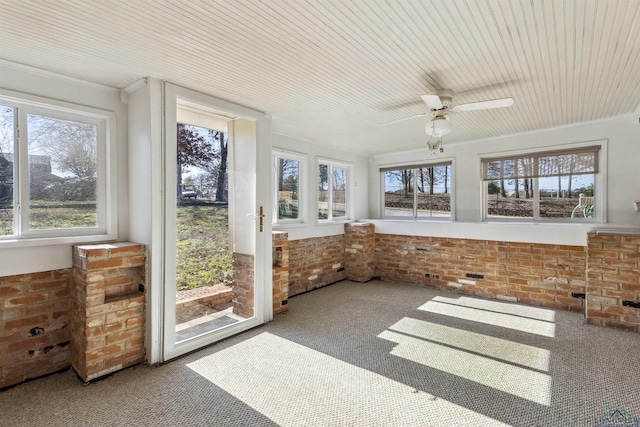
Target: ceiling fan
<point x="440" y="104"/>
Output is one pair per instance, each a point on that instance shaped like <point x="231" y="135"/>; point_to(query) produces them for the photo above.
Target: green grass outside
<point x="45" y="214"/>
<point x="203" y="256"/>
<point x="6" y="222"/>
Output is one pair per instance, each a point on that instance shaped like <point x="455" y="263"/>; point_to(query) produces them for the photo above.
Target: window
<point x="546" y="186"/>
<point x="333" y="191"/>
<point x="417" y="191"/>
<point x="53" y="170"/>
<point x="288" y="182"/>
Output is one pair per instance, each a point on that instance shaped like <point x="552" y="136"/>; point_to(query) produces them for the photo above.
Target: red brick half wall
<point x="537" y="274"/>
<point x="315" y="262"/>
<point x="613" y="281"/>
<point x="34" y="325"/>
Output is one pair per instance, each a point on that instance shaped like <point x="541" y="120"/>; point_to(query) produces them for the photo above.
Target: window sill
<point x="52" y="241"/>
<point x="407" y="219"/>
<point x="333" y="222"/>
<point x="282" y="225"/>
<point x="549" y="233"/>
<point x="569" y="223"/>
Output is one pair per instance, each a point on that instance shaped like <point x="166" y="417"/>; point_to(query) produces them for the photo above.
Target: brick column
<point x="613" y="281"/>
<point x="359" y="245"/>
<point x="280" y="271"/>
<point x="108" y="308"/>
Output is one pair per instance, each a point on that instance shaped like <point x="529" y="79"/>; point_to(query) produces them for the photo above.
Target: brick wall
<point x="35" y="308"/>
<point x="108" y="308"/>
<point x="243" y="285"/>
<point x="359" y="244"/>
<point x="315" y="262"/>
<point x="536" y="274"/>
<point x="613" y="281"/>
<point x="34" y="325"/>
<point x="196" y="302"/>
<point x="280" y="271"/>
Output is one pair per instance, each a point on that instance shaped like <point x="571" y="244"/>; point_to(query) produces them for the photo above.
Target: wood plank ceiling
<point x="331" y="71"/>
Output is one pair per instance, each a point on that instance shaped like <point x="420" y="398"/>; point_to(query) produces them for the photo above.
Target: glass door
<point x="216" y="280"/>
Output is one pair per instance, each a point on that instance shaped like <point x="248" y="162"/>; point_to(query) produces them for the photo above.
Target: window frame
<point x="331" y="164"/>
<point x="599" y="184"/>
<point x="302" y="163"/>
<point x="106" y="191"/>
<point x="414" y="168"/>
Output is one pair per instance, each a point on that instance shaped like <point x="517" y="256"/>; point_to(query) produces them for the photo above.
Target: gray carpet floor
<point x="368" y="354"/>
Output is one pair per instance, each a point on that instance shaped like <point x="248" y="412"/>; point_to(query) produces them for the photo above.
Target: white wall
<point x="622" y="176"/>
<point x="312" y="152"/>
<point x="20" y="259"/>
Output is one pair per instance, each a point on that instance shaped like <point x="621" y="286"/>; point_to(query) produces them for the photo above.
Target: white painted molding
<point x="51" y="74"/>
<point x="136" y="85"/>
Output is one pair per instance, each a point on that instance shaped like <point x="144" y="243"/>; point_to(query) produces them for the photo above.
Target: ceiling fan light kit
<point x="438" y="127"/>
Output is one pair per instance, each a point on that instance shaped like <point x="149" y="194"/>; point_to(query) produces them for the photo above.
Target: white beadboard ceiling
<point x="331" y="71"/>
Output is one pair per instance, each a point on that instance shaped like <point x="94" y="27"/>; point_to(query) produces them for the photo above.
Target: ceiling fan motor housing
<point x="446" y="98"/>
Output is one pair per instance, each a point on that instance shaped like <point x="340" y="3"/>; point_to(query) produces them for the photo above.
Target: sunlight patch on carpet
<point x="294" y="385"/>
<point x="515" y="380"/>
<point x="501" y="307"/>
<point x="504" y="320"/>
<point x="497" y="348"/>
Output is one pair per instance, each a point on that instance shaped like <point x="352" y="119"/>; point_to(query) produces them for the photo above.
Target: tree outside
<point x="62" y="170"/>
<point x="430" y="186"/>
<point x="288" y="188"/>
<point x="202" y="252"/>
<point x="202" y="162"/>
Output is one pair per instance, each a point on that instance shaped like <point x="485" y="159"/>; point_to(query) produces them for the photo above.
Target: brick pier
<point x="108" y="308"/>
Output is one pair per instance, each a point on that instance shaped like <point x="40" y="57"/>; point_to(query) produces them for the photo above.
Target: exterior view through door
<point x="212" y="239"/>
<point x="206" y="298"/>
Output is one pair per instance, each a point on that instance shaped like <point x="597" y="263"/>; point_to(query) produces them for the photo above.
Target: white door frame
<point x="263" y="271"/>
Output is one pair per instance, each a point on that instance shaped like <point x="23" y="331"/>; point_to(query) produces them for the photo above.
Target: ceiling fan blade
<point x="484" y="105"/>
<point x="406" y="118"/>
<point x="401" y="105"/>
<point x="433" y="101"/>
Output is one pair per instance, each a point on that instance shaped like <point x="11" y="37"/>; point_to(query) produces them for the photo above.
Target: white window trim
<point x="599" y="183"/>
<point x="383" y="168"/>
<point x="302" y="187"/>
<point x="349" y="190"/>
<point x="106" y="198"/>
